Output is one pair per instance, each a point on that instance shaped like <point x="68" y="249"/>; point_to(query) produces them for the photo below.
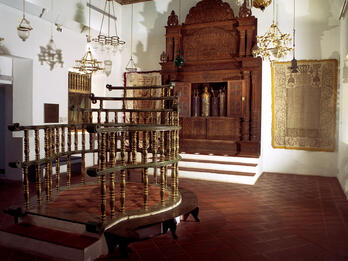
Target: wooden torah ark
<point x="217" y="50"/>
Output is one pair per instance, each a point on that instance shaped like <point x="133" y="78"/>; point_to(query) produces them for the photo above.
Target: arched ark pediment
<point x="207" y="11"/>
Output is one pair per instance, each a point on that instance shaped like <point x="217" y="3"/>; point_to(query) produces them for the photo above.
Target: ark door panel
<point x="183" y="91"/>
<point x="194" y="128"/>
<point x="236" y="91"/>
<point x="223" y="128"/>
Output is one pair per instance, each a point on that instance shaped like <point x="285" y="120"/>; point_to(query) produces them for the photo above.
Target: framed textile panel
<point x="152" y="78"/>
<point x="79" y="86"/>
<point x="304" y="105"/>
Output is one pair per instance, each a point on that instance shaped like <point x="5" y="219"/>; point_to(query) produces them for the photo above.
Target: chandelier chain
<point x="102" y="22"/>
<point x="132" y="33"/>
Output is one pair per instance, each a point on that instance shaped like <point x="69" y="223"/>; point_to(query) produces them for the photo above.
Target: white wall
<point x="49" y="86"/>
<point x="317" y="37"/>
<point x="343" y="103"/>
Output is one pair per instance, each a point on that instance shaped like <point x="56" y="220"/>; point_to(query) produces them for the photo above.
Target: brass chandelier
<point x="273" y="44"/>
<point x="109" y="41"/>
<point x="88" y="64"/>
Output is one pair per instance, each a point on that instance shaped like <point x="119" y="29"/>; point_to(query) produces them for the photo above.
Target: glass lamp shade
<point x="107" y="67"/>
<point x="23" y="29"/>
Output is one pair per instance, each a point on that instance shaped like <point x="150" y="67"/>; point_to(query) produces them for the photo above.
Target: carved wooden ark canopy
<point x="217" y="49"/>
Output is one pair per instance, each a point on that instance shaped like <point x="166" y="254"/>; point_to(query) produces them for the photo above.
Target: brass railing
<point x="150" y="131"/>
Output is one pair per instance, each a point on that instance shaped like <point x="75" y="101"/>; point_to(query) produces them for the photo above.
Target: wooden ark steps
<point x="242" y="170"/>
<point x="52" y="243"/>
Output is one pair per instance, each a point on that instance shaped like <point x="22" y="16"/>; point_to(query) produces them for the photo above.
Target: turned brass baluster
<point x="57" y="160"/>
<point x="134" y="146"/>
<point x="26" y="169"/>
<point x="112" y="175"/>
<point x="106" y="117"/>
<point x="63" y="140"/>
<point x="162" y="168"/>
<point x="172" y="154"/>
<point x="145" y="171"/>
<point x="47" y="183"/>
<point x="167" y="146"/>
<point x="177" y="123"/>
<point x="68" y="166"/>
<point x="83" y="155"/>
<point x="51" y="152"/>
<point x="37" y="167"/>
<point x="154" y="154"/>
<point x="137" y="133"/>
<point x="103" y="178"/>
<point x="116" y="117"/>
<point x="99" y="138"/>
<point x="123" y="173"/>
<point x="76" y="139"/>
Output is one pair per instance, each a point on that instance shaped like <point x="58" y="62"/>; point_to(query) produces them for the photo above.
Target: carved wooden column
<point x="256" y="79"/>
<point x="246" y="107"/>
<point x="250" y="34"/>
<point x="241" y="42"/>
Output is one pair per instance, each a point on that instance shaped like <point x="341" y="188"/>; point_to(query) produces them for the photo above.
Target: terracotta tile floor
<point x="282" y="217"/>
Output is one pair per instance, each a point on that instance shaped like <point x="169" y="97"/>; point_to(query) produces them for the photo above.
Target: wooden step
<point x="219" y="162"/>
<point x="52" y="243"/>
<point x="215" y="171"/>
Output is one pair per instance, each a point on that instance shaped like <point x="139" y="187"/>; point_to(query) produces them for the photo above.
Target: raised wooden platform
<point x="69" y="228"/>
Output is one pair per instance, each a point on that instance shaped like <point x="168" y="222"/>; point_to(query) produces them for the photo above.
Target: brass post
<point x="137" y="133"/>
<point x="145" y="171"/>
<point x="47" y="183"/>
<point x="177" y="123"/>
<point x="68" y="167"/>
<point x="57" y="160"/>
<point x="123" y="173"/>
<point x="162" y="168"/>
<point x="167" y="146"/>
<point x="103" y="178"/>
<point x="76" y="139"/>
<point x="112" y="175"/>
<point x="116" y="117"/>
<point x="134" y="146"/>
<point x="83" y="155"/>
<point x="37" y="167"/>
<point x="106" y="117"/>
<point x="26" y="169"/>
<point x="154" y="154"/>
<point x="51" y="153"/>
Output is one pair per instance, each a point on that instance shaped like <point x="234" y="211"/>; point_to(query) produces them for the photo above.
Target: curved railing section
<point x="121" y="139"/>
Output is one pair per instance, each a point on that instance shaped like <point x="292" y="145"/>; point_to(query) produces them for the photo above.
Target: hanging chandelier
<point x="131" y="66"/>
<point x="88" y="64"/>
<point x="273" y="44"/>
<point x="109" y="41"/>
<point x="294" y="66"/>
<point x="24" y="28"/>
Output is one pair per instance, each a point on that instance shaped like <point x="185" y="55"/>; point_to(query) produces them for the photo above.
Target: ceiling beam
<point x="128" y="2"/>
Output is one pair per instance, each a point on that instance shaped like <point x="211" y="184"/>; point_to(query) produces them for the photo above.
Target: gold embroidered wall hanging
<point x="304" y="105"/>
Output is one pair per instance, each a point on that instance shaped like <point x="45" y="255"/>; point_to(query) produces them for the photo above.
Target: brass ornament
<point x="261" y="4"/>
